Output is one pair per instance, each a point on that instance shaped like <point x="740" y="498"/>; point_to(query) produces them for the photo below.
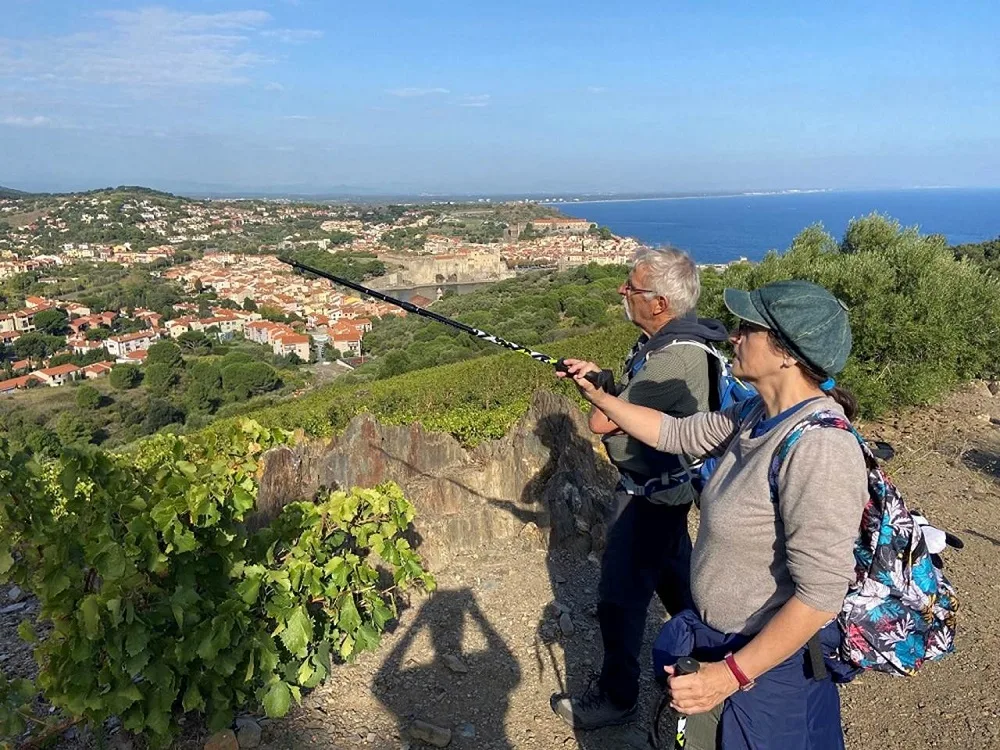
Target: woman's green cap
<point x="809" y="321"/>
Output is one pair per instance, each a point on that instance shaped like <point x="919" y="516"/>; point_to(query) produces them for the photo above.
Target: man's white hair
<point x="672" y="274"/>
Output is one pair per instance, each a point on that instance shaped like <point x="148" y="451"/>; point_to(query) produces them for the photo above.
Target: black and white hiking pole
<point x="684" y="665"/>
<point x="603" y="380"/>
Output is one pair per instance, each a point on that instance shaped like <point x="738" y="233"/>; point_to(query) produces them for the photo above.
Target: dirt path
<point x="482" y="655"/>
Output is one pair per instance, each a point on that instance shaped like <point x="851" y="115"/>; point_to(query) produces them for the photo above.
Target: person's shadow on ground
<point x="463" y="684"/>
<point x="571" y="501"/>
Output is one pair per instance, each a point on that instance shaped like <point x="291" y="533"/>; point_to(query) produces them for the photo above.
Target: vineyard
<point x="163" y="600"/>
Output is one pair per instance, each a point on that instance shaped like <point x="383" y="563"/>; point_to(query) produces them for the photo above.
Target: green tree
<point x="393" y="363"/>
<point x="194" y="342"/>
<point x="52" y="322"/>
<point x="97" y="333"/>
<point x="88" y="397"/>
<point x="36" y="346"/>
<point x="249" y="305"/>
<point x="244" y="380"/>
<point x="124" y="377"/>
<point x="166" y="353"/>
<point x="159" y="414"/>
<point x="73" y="427"/>
<point x="160" y="378"/>
<point x="203" y="386"/>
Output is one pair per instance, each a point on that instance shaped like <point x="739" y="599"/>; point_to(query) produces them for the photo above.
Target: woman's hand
<point x="702" y="691"/>
<point x="578" y="369"/>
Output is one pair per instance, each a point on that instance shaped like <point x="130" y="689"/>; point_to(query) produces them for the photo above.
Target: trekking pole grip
<point x="686" y="665"/>
<point x="603" y="380"/>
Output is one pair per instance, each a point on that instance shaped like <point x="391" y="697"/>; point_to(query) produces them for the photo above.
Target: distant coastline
<point x="748" y="194"/>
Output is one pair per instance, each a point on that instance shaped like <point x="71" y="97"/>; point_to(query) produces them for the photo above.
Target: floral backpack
<point x="900" y="611"/>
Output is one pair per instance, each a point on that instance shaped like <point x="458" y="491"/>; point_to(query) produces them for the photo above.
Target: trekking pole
<point x="684" y="665"/>
<point x="603" y="380"/>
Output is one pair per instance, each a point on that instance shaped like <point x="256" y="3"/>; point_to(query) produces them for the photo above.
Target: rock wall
<point x="546" y="481"/>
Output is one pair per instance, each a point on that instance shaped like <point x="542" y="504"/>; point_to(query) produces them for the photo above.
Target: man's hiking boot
<point x="592" y="710"/>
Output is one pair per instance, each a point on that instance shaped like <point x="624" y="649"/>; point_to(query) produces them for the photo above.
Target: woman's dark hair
<point x="848" y="402"/>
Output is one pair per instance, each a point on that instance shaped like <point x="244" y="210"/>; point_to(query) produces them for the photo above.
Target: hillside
<point x="252" y="575"/>
<point x="6" y="192"/>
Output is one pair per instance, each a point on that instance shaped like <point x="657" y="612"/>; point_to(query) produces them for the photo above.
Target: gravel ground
<point x="481" y="656"/>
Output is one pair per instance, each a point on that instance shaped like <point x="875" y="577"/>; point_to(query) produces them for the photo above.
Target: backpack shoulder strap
<point x="819" y="419"/>
<point x="704" y="347"/>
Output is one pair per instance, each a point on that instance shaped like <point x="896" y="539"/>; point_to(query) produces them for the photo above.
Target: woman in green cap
<point x="767" y="573"/>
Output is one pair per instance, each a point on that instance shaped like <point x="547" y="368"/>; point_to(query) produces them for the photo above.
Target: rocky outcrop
<point x="546" y="481"/>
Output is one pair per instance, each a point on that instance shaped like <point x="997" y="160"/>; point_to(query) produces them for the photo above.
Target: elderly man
<point x="649" y="548"/>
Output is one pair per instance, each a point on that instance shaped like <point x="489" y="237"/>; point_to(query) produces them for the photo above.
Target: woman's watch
<point x="745" y="682"/>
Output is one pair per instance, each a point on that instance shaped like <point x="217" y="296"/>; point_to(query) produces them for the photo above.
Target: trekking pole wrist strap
<point x="745" y="682"/>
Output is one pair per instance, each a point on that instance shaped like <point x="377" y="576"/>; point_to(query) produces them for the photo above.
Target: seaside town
<point x="229" y="251"/>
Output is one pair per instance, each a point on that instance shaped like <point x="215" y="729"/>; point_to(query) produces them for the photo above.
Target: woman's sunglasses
<point x="746" y="327"/>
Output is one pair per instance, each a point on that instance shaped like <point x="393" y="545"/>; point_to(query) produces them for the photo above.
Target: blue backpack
<point x="727" y="391"/>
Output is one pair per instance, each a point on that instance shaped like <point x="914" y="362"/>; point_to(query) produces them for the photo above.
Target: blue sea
<point x="719" y="229"/>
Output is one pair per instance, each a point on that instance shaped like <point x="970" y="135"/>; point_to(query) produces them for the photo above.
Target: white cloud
<point x="19" y="121"/>
<point x="597" y="89"/>
<point x="413" y="91"/>
<point x="151" y="47"/>
<point x="292" y="36"/>
<point x="477" y="100"/>
<point x="297" y="117"/>
<point x="273" y="86"/>
<point x="284" y="148"/>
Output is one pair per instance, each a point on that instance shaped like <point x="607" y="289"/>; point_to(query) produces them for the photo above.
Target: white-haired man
<point x="649" y="547"/>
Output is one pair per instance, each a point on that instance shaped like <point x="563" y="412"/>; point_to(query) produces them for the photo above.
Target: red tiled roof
<point x="97" y="367"/>
<point x="65" y="369"/>
<point x="21" y="382"/>
<point x="291" y="338"/>
<point x="132" y="337"/>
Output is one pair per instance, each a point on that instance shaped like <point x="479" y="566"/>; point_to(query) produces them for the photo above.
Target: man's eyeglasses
<point x="629" y="289"/>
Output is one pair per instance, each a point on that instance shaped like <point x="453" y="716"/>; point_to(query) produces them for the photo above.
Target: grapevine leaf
<point x="163" y="514"/>
<point x="193" y="699"/>
<point x="115" y="608"/>
<point x="348" y="619"/>
<point x="242" y="500"/>
<point x="346" y="647"/>
<point x="6" y="560"/>
<point x="277" y="700"/>
<point x="298" y="632"/>
<point x="368" y="637"/>
<point x="305" y="674"/>
<point x="136" y="640"/>
<point x="27" y="632"/>
<point x="91" y="615"/>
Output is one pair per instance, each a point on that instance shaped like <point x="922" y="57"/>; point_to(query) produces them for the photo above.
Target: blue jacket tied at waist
<point x="786" y="709"/>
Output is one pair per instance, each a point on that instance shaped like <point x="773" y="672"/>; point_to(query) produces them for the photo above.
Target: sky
<point x="538" y="97"/>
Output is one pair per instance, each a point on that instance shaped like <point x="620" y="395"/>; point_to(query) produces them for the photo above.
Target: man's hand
<point x="702" y="691"/>
<point x="578" y="369"/>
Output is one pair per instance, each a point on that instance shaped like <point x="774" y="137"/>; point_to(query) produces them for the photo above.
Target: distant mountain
<point x="6" y="192"/>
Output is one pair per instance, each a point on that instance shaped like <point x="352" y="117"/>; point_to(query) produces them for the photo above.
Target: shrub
<point x="921" y="320"/>
<point x="88" y="397"/>
<point x="163" y="602"/>
<point x="124" y="377"/>
<point x="160" y="378"/>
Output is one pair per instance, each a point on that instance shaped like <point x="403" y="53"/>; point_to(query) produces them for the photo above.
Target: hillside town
<point x="228" y="251"/>
<point x="132" y="229"/>
<point x="331" y="320"/>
